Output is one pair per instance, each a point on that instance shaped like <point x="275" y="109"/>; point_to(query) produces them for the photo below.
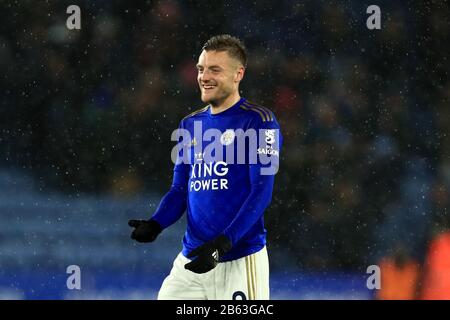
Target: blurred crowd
<point x="364" y="113"/>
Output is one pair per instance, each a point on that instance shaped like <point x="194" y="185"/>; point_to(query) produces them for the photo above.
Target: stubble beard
<point x="218" y="99"/>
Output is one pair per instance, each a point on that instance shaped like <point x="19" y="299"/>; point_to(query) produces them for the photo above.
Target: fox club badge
<point x="227" y="137"/>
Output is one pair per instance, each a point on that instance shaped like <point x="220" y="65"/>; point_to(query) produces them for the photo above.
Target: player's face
<point x="218" y="76"/>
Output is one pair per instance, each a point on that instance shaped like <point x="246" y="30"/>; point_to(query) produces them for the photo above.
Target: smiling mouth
<point x="208" y="87"/>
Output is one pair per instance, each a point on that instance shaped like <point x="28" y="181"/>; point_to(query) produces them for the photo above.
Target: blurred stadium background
<point x="86" y="117"/>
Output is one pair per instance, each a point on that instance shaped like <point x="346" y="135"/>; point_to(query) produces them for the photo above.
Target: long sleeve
<point x="174" y="202"/>
<point x="262" y="177"/>
<point x="254" y="206"/>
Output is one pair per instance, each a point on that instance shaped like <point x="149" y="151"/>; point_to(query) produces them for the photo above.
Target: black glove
<point x="208" y="255"/>
<point x="145" y="230"/>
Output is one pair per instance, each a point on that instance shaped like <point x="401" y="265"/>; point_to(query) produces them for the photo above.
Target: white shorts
<point x="245" y="278"/>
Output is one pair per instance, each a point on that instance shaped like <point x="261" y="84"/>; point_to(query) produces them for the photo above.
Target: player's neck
<point x="225" y="104"/>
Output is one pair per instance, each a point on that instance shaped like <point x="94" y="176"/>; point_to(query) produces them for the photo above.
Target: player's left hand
<point x="208" y="255"/>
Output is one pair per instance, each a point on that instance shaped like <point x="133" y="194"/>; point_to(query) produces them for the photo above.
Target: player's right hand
<point x="145" y="230"/>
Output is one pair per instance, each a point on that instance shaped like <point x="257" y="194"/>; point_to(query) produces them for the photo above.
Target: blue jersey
<point x="226" y="196"/>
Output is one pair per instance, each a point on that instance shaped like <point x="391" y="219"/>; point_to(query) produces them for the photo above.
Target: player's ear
<point x="239" y="74"/>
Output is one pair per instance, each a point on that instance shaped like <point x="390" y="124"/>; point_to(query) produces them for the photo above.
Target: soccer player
<point x="224" y="252"/>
